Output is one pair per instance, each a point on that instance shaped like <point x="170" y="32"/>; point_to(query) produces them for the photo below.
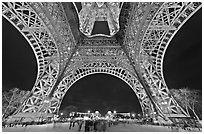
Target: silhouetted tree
<point x="12" y="99"/>
<point x="189" y="99"/>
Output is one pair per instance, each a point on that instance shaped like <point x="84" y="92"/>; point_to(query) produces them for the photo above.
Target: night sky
<point x="182" y="68"/>
<point x="19" y="67"/>
<point x="183" y="59"/>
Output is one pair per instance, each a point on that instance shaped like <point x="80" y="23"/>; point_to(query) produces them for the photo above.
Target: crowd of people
<point x="97" y="123"/>
<point x="89" y="125"/>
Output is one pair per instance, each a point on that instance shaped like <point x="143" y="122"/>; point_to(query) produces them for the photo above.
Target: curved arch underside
<point x="101" y="92"/>
<point x="101" y="67"/>
<point x="137" y="49"/>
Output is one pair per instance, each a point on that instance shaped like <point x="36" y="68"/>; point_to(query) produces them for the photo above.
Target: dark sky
<point x="19" y="67"/>
<point x="183" y="59"/>
<point x="182" y="65"/>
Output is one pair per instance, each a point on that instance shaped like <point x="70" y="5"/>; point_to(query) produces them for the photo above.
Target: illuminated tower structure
<point x="67" y="48"/>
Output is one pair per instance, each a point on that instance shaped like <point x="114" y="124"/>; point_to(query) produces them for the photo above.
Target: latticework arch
<point x="44" y="46"/>
<point x="27" y="22"/>
<point x="100" y="67"/>
<point x="164" y="25"/>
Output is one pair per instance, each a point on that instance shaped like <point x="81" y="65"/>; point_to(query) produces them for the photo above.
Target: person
<point x="54" y="121"/>
<point x="86" y="125"/>
<point x="71" y="123"/>
<point x="80" y="123"/>
<point x="103" y="126"/>
<point x="91" y="123"/>
<point x="95" y="125"/>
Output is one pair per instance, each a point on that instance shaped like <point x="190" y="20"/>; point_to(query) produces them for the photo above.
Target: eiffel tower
<point x="68" y="47"/>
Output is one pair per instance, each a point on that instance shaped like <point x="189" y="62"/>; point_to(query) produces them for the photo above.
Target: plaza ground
<point x="64" y="127"/>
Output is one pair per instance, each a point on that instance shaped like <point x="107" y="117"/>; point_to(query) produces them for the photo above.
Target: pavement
<point x="64" y="127"/>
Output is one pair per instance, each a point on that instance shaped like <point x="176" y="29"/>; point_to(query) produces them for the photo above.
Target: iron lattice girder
<point x="61" y="29"/>
<point x="92" y="12"/>
<point x="86" y="54"/>
<point x="133" y="53"/>
<point x="142" y="13"/>
<point x="164" y="25"/>
<point x="151" y="23"/>
<point x="159" y="39"/>
<point x="153" y="37"/>
<point x="41" y="89"/>
<point x="30" y="25"/>
<point x="54" y="17"/>
<point x="32" y="28"/>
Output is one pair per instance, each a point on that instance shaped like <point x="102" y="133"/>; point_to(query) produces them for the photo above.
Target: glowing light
<point x="109" y="112"/>
<point x="46" y="101"/>
<point x="86" y="118"/>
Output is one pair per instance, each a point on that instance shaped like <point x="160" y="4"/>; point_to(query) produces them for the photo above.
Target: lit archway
<point x="101" y="92"/>
<point x="100" y="67"/>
